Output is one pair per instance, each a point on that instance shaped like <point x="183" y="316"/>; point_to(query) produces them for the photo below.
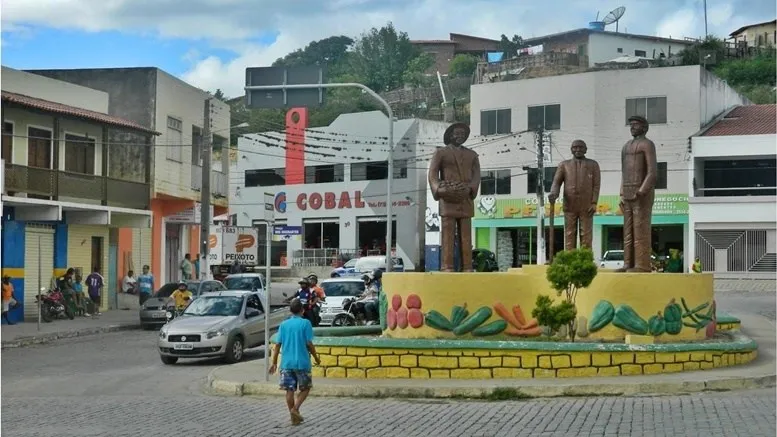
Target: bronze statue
<point x="454" y="178"/>
<point x="581" y="178"/>
<point x="638" y="188"/>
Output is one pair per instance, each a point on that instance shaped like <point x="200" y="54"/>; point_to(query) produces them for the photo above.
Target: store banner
<point x="489" y="207"/>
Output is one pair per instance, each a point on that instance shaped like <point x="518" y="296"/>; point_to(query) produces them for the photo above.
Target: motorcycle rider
<point x="370" y="295"/>
<point x="181" y="297"/>
<point x="320" y="295"/>
<point x="309" y="300"/>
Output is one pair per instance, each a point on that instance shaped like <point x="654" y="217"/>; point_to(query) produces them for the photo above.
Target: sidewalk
<point x="248" y="379"/>
<point x="25" y="334"/>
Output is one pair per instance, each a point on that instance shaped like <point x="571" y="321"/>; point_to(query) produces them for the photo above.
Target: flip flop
<point x="296" y="418"/>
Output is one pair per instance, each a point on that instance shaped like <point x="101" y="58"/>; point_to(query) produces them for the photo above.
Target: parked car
<point x="613" y="259"/>
<point x="348" y="269"/>
<point x="489" y="260"/>
<point x="218" y="324"/>
<point x="368" y="264"/>
<point x="153" y="311"/>
<point x="253" y="282"/>
<point x="337" y="290"/>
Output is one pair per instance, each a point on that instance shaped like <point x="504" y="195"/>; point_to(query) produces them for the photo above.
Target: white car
<point x="368" y="264"/>
<point x="253" y="282"/>
<point x="612" y="259"/>
<point x="337" y="290"/>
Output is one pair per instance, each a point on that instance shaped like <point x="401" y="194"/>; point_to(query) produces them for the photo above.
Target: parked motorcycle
<point x="53" y="306"/>
<point x="355" y="314"/>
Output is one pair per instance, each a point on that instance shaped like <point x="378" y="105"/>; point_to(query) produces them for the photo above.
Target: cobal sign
<point x="330" y="200"/>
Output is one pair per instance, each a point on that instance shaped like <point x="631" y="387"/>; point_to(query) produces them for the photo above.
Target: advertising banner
<point x="489" y="207"/>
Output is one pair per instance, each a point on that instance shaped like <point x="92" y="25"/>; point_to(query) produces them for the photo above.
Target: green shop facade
<point x="508" y="226"/>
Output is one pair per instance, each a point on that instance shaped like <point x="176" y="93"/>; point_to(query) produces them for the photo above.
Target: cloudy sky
<point x="209" y="43"/>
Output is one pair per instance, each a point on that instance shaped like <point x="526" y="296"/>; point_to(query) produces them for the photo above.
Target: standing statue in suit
<point x="454" y="178"/>
<point x="581" y="178"/>
<point x="638" y="188"/>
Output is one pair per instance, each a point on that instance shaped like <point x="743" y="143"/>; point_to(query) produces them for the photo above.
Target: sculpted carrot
<point x="519" y="315"/>
<point x="531" y="324"/>
<point x="515" y="332"/>
<point x="507" y="315"/>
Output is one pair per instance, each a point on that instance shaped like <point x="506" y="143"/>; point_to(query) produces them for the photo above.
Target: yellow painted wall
<point x="341" y="362"/>
<point x="646" y="293"/>
<point x="79" y="252"/>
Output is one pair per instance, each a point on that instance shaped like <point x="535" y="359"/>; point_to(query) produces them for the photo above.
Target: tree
<point x="695" y="54"/>
<point x="510" y="47"/>
<point x="571" y="271"/>
<point x="417" y="71"/>
<point x="382" y="56"/>
<point x="220" y="95"/>
<point x="463" y="65"/>
<point x="330" y="50"/>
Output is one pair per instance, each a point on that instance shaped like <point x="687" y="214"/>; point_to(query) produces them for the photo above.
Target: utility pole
<point x="205" y="151"/>
<point x="705" y="19"/>
<point x="540" y="197"/>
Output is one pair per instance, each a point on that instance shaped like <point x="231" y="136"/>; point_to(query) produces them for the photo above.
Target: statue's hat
<point x="446" y="138"/>
<point x="638" y="118"/>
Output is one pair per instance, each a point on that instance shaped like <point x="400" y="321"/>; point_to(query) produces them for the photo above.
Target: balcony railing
<point x="539" y="65"/>
<point x="218" y="181"/>
<point x="44" y="182"/>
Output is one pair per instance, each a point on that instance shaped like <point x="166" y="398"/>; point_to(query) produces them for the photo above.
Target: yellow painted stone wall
<point x="350" y="362"/>
<point x="646" y="293"/>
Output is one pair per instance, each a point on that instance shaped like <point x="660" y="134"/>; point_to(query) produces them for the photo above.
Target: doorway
<point x="172" y="252"/>
<point x="97" y="253"/>
<point x="371" y="235"/>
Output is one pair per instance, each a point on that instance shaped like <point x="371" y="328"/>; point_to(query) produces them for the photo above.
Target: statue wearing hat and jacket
<point x="454" y="179"/>
<point x="638" y="188"/>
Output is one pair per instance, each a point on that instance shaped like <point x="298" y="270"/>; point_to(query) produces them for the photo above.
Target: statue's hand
<point x="592" y="209"/>
<point x="552" y="197"/>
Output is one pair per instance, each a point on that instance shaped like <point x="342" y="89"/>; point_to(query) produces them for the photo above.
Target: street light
<point x="205" y="189"/>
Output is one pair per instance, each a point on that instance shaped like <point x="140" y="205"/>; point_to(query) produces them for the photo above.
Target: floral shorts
<point x="293" y="380"/>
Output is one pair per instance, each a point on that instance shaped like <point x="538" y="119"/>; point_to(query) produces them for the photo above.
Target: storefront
<point x="508" y="227"/>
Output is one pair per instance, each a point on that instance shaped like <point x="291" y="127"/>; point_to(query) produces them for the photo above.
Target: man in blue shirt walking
<point x="146" y="284"/>
<point x="295" y="343"/>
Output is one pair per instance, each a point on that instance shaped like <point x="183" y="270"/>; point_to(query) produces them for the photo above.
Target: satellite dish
<point x="614" y="16"/>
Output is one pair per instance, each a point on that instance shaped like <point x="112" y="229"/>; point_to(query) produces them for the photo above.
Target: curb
<point x="232" y="388"/>
<point x="54" y="336"/>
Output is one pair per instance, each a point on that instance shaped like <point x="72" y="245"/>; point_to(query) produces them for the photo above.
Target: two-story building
<point x="733" y="200"/>
<point x="74" y="178"/>
<point x="444" y="50"/>
<point x="592" y="106"/>
<point x="154" y="98"/>
<point x="329" y="186"/>
<point x="758" y="35"/>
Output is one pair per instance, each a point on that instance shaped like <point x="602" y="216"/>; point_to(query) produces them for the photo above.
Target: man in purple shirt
<point x="94" y="283"/>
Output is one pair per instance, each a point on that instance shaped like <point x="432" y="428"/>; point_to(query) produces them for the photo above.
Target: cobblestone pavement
<point x="115" y="385"/>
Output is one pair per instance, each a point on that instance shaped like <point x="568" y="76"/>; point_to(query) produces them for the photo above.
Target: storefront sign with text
<point x="344" y="200"/>
<point x="491" y="207"/>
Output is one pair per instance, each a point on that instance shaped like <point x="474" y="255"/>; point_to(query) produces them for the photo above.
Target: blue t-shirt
<point x="93" y="283"/>
<point x="294" y="334"/>
<point x="146" y="283"/>
<point x="78" y="287"/>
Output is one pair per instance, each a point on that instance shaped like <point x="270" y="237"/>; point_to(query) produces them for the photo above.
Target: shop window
<point x="265" y="177"/>
<point x="661" y="176"/>
<point x="547" y="117"/>
<point x="495" y="182"/>
<point x="652" y="108"/>
<point x="371" y="235"/>
<point x="531" y="179"/>
<point x="377" y="170"/>
<point x="321" y="235"/>
<point x="495" y="121"/>
<point x="321" y="174"/>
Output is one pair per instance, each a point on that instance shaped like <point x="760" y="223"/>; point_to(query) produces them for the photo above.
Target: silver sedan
<point x="219" y="324"/>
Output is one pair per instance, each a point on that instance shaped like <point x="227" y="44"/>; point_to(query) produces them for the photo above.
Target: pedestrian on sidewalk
<point x="145" y="284"/>
<point x="94" y="285"/>
<point x="9" y="301"/>
<point x="186" y="267"/>
<point x="80" y="298"/>
<point x="129" y="284"/>
<point x="295" y="343"/>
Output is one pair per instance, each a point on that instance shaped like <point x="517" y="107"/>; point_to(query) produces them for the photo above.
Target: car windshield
<point x="166" y="290"/>
<point x="343" y="288"/>
<point x="350" y="264"/>
<point x="244" y="283"/>
<point x="215" y="306"/>
<point x="614" y="256"/>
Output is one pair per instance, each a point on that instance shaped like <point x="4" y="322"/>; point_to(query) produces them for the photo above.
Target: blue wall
<point x="60" y="249"/>
<point x="13" y="263"/>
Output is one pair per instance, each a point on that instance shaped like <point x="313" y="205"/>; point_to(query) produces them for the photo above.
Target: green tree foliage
<point x="463" y="65"/>
<point x="220" y="95"/>
<point x="554" y="316"/>
<point x="753" y="77"/>
<point x="510" y="46"/>
<point x="382" y="57"/>
<point x="417" y="72"/>
<point x="571" y="271"/>
<point x="711" y="45"/>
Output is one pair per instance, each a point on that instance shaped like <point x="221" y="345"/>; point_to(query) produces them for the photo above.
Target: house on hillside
<point x="758" y="35"/>
<point x="444" y="50"/>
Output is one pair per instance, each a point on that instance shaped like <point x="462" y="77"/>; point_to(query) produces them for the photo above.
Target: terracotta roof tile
<point x="746" y="120"/>
<point x="45" y="105"/>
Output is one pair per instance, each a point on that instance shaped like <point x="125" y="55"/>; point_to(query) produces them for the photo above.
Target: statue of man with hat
<point x="639" y="170"/>
<point x="454" y="179"/>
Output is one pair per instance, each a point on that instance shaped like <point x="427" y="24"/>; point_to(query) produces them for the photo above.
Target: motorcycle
<point x="310" y="313"/>
<point x="355" y="314"/>
<point x="174" y="312"/>
<point x="53" y="306"/>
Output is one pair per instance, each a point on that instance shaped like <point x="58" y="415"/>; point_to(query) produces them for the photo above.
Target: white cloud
<point x="235" y="25"/>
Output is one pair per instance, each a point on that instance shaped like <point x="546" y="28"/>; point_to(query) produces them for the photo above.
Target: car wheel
<point x="168" y="360"/>
<point x="234" y="350"/>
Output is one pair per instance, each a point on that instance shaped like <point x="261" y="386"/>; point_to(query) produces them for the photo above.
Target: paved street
<point x="115" y="385"/>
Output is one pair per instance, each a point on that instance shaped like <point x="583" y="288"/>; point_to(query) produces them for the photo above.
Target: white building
<point x="329" y="186"/>
<point x="732" y="209"/>
<point x="594" y="107"/>
<point x="601" y="46"/>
